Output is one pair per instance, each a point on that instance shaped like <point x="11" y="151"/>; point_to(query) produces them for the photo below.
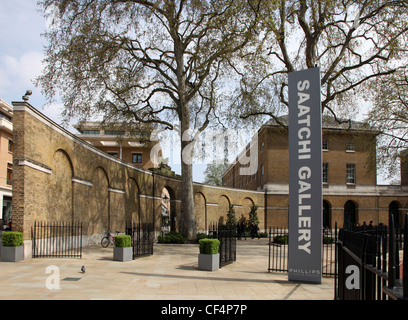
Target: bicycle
<point x="108" y="238"/>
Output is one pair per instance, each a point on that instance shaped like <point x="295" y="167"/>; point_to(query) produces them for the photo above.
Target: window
<point x="5" y="116"/>
<point x="349" y="146"/>
<point x="114" y="133"/>
<point x="325" y="145"/>
<point x="262" y="147"/>
<point x="91" y="132"/>
<point x="351" y="173"/>
<point x="113" y="154"/>
<point x="10" y="146"/>
<point x="262" y="175"/>
<point x="9" y="173"/>
<point x="137" y="158"/>
<point x="139" y="133"/>
<point x="325" y="172"/>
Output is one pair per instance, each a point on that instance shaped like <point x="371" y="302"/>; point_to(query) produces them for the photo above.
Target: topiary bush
<point x="209" y="246"/>
<point x="123" y="240"/>
<point x="12" y="239"/>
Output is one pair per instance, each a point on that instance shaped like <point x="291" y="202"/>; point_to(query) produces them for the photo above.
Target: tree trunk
<point x="187" y="218"/>
<point x="187" y="223"/>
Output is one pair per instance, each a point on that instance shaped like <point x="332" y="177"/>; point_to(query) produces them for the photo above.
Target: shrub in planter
<point x="13" y="249"/>
<point x="123" y="250"/>
<point x="209" y="257"/>
<point x="12" y="239"/>
<point x="123" y="240"/>
<point x="209" y="246"/>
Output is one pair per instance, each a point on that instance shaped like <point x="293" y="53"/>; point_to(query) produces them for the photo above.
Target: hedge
<point x="209" y="246"/>
<point x="12" y="239"/>
<point x="123" y="240"/>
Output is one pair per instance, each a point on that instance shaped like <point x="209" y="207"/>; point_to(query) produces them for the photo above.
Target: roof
<point x="328" y="123"/>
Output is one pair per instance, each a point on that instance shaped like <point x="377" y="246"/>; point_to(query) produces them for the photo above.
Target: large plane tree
<point x="157" y="61"/>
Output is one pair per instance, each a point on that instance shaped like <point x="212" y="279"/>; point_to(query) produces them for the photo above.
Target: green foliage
<point x="123" y="240"/>
<point x="201" y="236"/>
<point x="231" y="218"/>
<point x="172" y="237"/>
<point x="213" y="173"/>
<point x="283" y="239"/>
<point x="12" y="239"/>
<point x="253" y="215"/>
<point x="209" y="246"/>
<point x="328" y="240"/>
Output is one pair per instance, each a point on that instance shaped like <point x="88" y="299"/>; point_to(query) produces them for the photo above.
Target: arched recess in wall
<point x="99" y="220"/>
<point x="326" y="214"/>
<point x="170" y="204"/>
<point x="394" y="210"/>
<point x="350" y="214"/>
<point x="60" y="197"/>
<point x="200" y="210"/>
<point x="132" y="202"/>
<point x="223" y="207"/>
<point x="247" y="203"/>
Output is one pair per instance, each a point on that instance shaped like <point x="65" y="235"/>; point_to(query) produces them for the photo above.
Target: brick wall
<point x="58" y="177"/>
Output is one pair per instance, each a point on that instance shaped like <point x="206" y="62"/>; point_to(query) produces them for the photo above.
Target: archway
<point x="350" y="214"/>
<point x="326" y="214"/>
<point x="168" y="211"/>
<point x="200" y="210"/>
<point x="60" y="208"/>
<point x="99" y="219"/>
<point x="393" y="209"/>
<point x="223" y="208"/>
<point x="132" y="206"/>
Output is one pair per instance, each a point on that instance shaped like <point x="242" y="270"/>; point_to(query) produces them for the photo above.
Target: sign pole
<point x="305" y="177"/>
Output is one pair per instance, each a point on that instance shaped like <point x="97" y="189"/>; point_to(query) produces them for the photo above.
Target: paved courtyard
<point x="170" y="274"/>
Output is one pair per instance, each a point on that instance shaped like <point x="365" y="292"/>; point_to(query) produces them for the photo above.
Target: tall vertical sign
<point x="305" y="176"/>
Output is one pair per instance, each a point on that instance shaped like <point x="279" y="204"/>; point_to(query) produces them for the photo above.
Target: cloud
<point x="19" y="70"/>
<point x="18" y="73"/>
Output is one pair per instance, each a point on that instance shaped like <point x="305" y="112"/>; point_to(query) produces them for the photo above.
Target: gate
<point x="228" y="243"/>
<point x="142" y="239"/>
<point x="368" y="263"/>
<point x="278" y="250"/>
<point x="56" y="240"/>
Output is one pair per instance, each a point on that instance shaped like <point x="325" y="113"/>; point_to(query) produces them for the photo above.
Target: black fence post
<point x="405" y="260"/>
<point x="391" y="258"/>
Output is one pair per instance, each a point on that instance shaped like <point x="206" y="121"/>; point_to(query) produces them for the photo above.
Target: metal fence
<point x="142" y="239"/>
<point x="369" y="263"/>
<point x="228" y="242"/>
<point x="56" y="240"/>
<point x="278" y="250"/>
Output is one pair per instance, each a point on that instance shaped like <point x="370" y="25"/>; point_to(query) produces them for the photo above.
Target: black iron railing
<point x="142" y="239"/>
<point x="369" y="263"/>
<point x="278" y="250"/>
<point x="228" y="242"/>
<point x="56" y="240"/>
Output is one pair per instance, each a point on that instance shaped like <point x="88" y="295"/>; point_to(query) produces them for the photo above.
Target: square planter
<point x="12" y="254"/>
<point x="122" y="253"/>
<point x="209" y="262"/>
